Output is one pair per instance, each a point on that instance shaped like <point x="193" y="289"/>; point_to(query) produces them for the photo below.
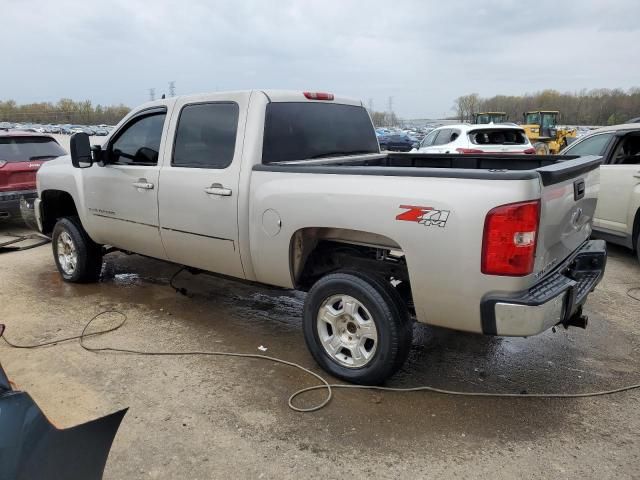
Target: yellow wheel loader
<point x="489" y="117"/>
<point x="545" y="136"/>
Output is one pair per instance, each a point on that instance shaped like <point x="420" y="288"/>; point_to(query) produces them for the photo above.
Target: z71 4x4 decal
<point x="426" y="216"/>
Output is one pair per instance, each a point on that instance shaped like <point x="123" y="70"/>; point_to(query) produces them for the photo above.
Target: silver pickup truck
<point x="290" y="189"/>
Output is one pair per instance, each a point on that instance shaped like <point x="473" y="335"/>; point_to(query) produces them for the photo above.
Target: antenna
<point x="172" y="88"/>
<point x="152" y="94"/>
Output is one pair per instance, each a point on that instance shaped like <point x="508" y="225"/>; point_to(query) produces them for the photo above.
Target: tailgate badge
<point x="575" y="218"/>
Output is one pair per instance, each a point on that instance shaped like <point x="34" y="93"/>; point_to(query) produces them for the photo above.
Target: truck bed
<point x="551" y="168"/>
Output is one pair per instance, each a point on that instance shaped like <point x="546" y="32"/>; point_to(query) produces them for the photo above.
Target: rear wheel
<point x="78" y="258"/>
<point x="638" y="246"/>
<point x="541" y="148"/>
<point x="356" y="327"/>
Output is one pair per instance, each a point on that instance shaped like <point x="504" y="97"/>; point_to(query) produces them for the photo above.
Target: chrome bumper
<point x="556" y="299"/>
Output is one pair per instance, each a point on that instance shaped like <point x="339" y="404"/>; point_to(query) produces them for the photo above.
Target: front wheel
<point x="78" y="258"/>
<point x="356" y="327"/>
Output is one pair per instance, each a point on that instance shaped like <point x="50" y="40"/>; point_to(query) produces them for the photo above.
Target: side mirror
<point x="80" y="150"/>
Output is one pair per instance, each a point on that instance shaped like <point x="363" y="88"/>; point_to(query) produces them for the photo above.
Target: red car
<point x="21" y="154"/>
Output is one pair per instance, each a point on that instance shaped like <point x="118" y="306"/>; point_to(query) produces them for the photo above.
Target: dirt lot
<point x="202" y="418"/>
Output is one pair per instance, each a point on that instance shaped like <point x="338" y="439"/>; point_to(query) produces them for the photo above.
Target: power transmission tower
<point x="390" y="110"/>
<point x="371" y="105"/>
<point x="172" y="88"/>
<point x="152" y="94"/>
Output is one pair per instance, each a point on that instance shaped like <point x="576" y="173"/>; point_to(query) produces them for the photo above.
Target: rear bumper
<point x="556" y="299"/>
<point x="10" y="202"/>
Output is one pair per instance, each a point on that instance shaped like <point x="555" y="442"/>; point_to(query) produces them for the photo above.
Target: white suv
<point x="466" y="138"/>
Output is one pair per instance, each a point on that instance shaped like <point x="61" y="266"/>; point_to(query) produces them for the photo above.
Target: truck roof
<point x="615" y="128"/>
<point x="272" y="95"/>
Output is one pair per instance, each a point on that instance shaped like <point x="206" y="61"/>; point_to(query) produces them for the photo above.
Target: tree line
<point x="384" y="119"/>
<point x="62" y="112"/>
<point x="601" y="106"/>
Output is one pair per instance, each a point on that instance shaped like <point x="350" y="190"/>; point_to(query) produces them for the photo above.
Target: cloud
<point x="423" y="54"/>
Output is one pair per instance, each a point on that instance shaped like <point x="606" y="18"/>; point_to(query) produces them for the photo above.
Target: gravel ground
<point x="201" y="418"/>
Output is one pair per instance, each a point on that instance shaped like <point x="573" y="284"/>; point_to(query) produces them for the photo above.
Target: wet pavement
<point x="203" y="417"/>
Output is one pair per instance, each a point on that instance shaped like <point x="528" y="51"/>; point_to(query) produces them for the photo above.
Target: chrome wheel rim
<point x="347" y="331"/>
<point x="67" y="253"/>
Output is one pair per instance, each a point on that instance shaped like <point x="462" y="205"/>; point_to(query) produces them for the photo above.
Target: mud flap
<point x="31" y="448"/>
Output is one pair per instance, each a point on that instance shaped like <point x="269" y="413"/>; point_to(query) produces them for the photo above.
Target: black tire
<point x="388" y="312"/>
<point x="89" y="254"/>
<point x="638" y="246"/>
<point x="541" y="148"/>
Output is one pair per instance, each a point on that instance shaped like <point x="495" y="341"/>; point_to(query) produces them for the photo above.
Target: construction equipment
<point x="489" y="117"/>
<point x="545" y="136"/>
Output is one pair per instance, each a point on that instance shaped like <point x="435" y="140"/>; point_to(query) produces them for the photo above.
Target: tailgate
<point x="568" y="203"/>
<point x="19" y="175"/>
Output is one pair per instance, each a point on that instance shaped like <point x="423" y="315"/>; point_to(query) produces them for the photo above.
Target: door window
<point x="428" y="140"/>
<point x="595" y="145"/>
<point x="444" y="137"/>
<point x="206" y="135"/>
<point x="627" y="151"/>
<point x="139" y="142"/>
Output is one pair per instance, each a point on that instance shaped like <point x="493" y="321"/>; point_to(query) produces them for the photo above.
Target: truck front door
<point x="198" y="200"/>
<point x="122" y="196"/>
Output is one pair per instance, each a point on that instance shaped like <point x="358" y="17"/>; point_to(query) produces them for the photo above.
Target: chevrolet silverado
<point x="290" y="189"/>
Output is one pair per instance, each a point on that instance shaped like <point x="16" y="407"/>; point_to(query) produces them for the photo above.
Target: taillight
<point x="318" y="95"/>
<point x="2" y="163"/>
<point x="509" y="240"/>
<point x="530" y="151"/>
<point x="468" y="150"/>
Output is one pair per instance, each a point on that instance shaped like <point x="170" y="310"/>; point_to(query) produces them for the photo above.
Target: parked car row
<point x="401" y="140"/>
<point x="67" y="129"/>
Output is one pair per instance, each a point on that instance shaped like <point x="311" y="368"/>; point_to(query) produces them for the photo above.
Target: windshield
<point x="548" y="120"/>
<point x="532" y="119"/>
<point x="21" y="149"/>
<point x="491" y="118"/>
<point x="306" y="130"/>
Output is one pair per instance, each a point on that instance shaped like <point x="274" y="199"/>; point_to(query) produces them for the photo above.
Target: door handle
<point x="218" y="189"/>
<point x="142" y="183"/>
<point x="637" y="175"/>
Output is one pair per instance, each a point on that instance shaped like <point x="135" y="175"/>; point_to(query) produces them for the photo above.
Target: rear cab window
<point x="26" y="148"/>
<point x="498" y="136"/>
<point x="307" y="130"/>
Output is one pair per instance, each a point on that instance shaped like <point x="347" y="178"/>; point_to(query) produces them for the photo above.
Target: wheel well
<point x="315" y="252"/>
<point x="56" y="204"/>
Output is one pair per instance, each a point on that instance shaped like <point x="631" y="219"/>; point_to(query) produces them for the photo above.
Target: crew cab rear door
<point x="198" y="198"/>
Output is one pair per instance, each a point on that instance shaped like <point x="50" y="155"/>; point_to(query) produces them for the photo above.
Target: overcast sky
<point x="423" y="54"/>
